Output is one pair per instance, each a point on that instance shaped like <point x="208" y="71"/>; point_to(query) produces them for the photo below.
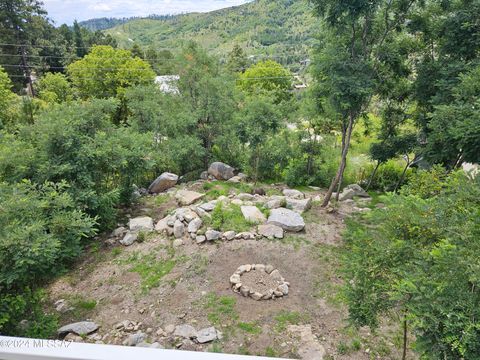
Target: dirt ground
<point x="197" y="292"/>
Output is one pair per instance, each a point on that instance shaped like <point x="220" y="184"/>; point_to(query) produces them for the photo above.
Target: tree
<point x="349" y="57"/>
<point x="54" y="88"/>
<point x="80" y="48"/>
<point x="7" y="99"/>
<point x="417" y="258"/>
<point x="237" y="59"/>
<point x="208" y="93"/>
<point x="267" y="78"/>
<point x="107" y="72"/>
<point x="258" y="120"/>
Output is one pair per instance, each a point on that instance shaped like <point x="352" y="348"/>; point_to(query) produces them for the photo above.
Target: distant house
<point x="168" y="83"/>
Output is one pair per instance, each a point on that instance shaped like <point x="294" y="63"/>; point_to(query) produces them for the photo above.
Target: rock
<point x="209" y="206"/>
<point x="242" y="176"/>
<point x="135" y="339"/>
<point x="187" y="197"/>
<point x="237" y="202"/>
<point x="118" y="232"/>
<point x="62" y="306"/>
<point x="143" y="223"/>
<point x="163" y="224"/>
<point x="129" y="239"/>
<point x="206" y="335"/>
<point x="200" y="212"/>
<point x="269" y="269"/>
<point x="169" y="329"/>
<point x="293" y="194"/>
<point x="185" y="331"/>
<point x="195" y="225"/>
<point x="245" y="197"/>
<point x="308" y="348"/>
<point x="177" y="243"/>
<point x="221" y="171"/>
<point x="178" y="229"/>
<point x="245" y="291"/>
<point x="235" y="179"/>
<point x="229" y="235"/>
<point x="351" y="191"/>
<point x="212" y="235"/>
<point x="299" y="206"/>
<point x="275" y="202"/>
<point x="235" y="279"/>
<point x="204" y="175"/>
<point x="156" y="345"/>
<point x="253" y="214"/>
<point x="200" y="239"/>
<point x="78" y="328"/>
<point x="256" y="296"/>
<point x="275" y="275"/>
<point x="245" y="236"/>
<point x="270" y="231"/>
<point x="287" y="219"/>
<point x="185" y="214"/>
<point x="283" y="288"/>
<point x="163" y="182"/>
<point x="73" y="338"/>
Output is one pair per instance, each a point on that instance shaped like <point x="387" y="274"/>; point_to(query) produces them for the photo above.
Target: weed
<point x="222" y="309"/>
<point x="343" y="348"/>
<point x="251" y="328"/>
<point x="228" y="218"/>
<point x="270" y="352"/>
<point x="116" y="251"/>
<point x="285" y="318"/>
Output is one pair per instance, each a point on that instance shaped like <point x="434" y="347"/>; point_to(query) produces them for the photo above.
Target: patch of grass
<point x="243" y="350"/>
<point x="151" y="269"/>
<point x="216" y="348"/>
<point x="285" y="318"/>
<point x="226" y="218"/>
<point x="270" y="352"/>
<point x="116" y="251"/>
<point x="344" y="348"/>
<point x="221" y="309"/>
<point x="251" y="328"/>
<point x="296" y="241"/>
<point x="219" y="188"/>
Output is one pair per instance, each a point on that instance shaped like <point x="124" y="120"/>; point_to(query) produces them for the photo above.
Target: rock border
<point x="271" y="294"/>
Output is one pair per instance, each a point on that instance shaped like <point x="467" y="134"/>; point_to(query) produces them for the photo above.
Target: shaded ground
<point x="157" y="285"/>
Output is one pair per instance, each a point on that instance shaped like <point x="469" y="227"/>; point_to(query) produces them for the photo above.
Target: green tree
<point x="267" y="78"/>
<point x="54" y="88"/>
<point x="349" y="57"/>
<point x="237" y="59"/>
<point x="7" y="100"/>
<point x="107" y="72"/>
<point x="417" y="259"/>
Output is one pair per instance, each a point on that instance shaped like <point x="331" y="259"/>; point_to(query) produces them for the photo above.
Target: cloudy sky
<point x="65" y="11"/>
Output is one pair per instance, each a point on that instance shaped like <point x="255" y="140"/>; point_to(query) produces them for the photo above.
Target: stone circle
<point x="259" y="282"/>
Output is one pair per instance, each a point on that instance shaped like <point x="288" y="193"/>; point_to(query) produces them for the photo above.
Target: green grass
<point x="285" y="318"/>
<point x="228" y="217"/>
<point x="219" y="188"/>
<point x="251" y="328"/>
<point x="221" y="309"/>
<point x="151" y="269"/>
<point x="270" y="352"/>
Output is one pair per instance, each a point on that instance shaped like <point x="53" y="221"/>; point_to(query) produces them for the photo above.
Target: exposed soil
<point x="192" y="292"/>
<point x="259" y="281"/>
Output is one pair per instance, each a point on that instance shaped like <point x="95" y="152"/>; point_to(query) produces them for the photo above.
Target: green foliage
<point x="267" y="78"/>
<point x="427" y="184"/>
<point x="418" y="256"/>
<point x="107" y="72"/>
<point x="250" y="328"/>
<point x="54" y="88"/>
<point x="228" y="218"/>
<point x="285" y="318"/>
<point x="7" y="99"/>
<point x="388" y="175"/>
<point x="151" y="269"/>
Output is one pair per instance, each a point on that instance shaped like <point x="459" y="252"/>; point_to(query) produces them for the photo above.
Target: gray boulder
<point x="299" y="205"/>
<point x="178" y="229"/>
<point x="143" y="223"/>
<point x="186" y="197"/>
<point x="206" y="335"/>
<point x="212" y="235"/>
<point x="185" y="331"/>
<point x="293" y="194"/>
<point x="78" y="328"/>
<point x="195" y="225"/>
<point x="163" y="182"/>
<point x="135" y="339"/>
<point x="221" y="171"/>
<point x="270" y="231"/>
<point x="288" y="220"/>
<point x="352" y="191"/>
<point x="253" y="214"/>
<point x="129" y="239"/>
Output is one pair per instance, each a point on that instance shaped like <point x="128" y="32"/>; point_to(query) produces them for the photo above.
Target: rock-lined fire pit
<point x="259" y="281"/>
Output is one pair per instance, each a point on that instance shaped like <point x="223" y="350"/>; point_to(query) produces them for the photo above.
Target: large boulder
<point x="293" y="194"/>
<point x="187" y="197"/>
<point x="143" y="223"/>
<point x="288" y="220"/>
<point x="79" y="328"/>
<point x="352" y="191"/>
<point x="163" y="182"/>
<point x="206" y="335"/>
<point x="270" y="231"/>
<point x="253" y="214"/>
<point x="299" y="205"/>
<point x="221" y="171"/>
<point x="129" y="238"/>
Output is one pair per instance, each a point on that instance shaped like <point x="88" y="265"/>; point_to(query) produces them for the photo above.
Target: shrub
<point x="388" y="175"/>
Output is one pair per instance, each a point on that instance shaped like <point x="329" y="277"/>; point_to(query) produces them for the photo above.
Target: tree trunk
<point x="403" y="175"/>
<point x="405" y="333"/>
<point x="343" y="163"/>
<point x="372" y="176"/>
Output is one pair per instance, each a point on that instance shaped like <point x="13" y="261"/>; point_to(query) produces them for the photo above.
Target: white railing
<point x="26" y="349"/>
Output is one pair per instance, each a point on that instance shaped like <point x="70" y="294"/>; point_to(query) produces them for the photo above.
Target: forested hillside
<point x="231" y="207"/>
<point x="283" y="29"/>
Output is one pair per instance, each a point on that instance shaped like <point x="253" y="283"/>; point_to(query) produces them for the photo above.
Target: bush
<point x="388" y="175"/>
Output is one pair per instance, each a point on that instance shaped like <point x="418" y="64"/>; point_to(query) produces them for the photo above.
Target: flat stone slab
<point x="187" y="197"/>
<point x="185" y="331"/>
<point x="293" y="194"/>
<point x="288" y="220"/>
<point x="299" y="206"/>
<point x="143" y="223"/>
<point x="253" y="214"/>
<point x="270" y="231"/>
<point x="79" y="328"/>
<point x="207" y="335"/>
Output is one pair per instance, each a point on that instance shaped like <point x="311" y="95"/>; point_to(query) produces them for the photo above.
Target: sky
<point x="66" y="11"/>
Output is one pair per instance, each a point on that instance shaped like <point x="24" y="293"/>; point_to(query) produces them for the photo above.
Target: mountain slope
<point x="283" y="29"/>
